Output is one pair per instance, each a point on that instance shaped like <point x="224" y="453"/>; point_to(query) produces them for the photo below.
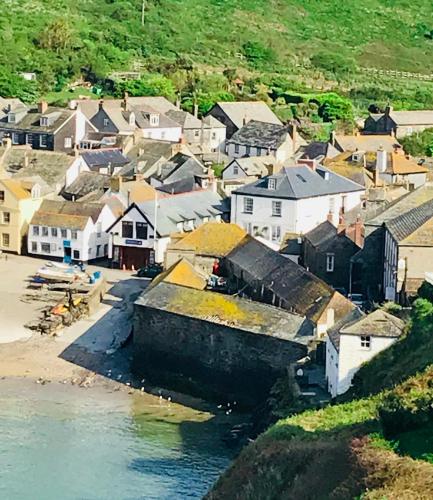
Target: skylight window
<point x="299" y="176"/>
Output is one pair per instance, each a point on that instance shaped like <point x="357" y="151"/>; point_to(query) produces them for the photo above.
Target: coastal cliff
<point x="376" y="444"/>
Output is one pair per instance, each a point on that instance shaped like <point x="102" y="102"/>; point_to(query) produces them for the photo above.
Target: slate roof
<point x="301" y="182"/>
<point x="334" y="331"/>
<point x="15" y="105"/>
<point x="184" y="119"/>
<point x="181" y="186"/>
<point x="417" y="117"/>
<point x="104" y="157"/>
<point x="367" y="143"/>
<point x="254" y="165"/>
<point x="66" y="214"/>
<point x="342" y="165"/>
<point x="378" y="323"/>
<point x="49" y="165"/>
<point x="234" y="312"/>
<point x="210" y="121"/>
<point x="260" y="134"/>
<point x="300" y="290"/>
<point x="187" y="206"/>
<point x="179" y="167"/>
<point x="321" y="234"/>
<point x="319" y="149"/>
<point x="85" y="183"/>
<point x="241" y="112"/>
<point x="407" y="223"/>
<point x="31" y="120"/>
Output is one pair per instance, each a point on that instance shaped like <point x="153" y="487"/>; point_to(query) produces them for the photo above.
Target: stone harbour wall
<point x="208" y="359"/>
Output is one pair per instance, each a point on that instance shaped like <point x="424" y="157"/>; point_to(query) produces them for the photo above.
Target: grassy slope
<point x="339" y="452"/>
<point x="380" y="33"/>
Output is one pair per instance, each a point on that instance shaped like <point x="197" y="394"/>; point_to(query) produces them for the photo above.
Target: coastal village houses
<point x="43" y="127"/>
<point x="141" y="234"/>
<point x="294" y="200"/>
<point x="71" y="231"/>
<point x="398" y="123"/>
<point x="19" y="200"/>
<point x="356" y="340"/>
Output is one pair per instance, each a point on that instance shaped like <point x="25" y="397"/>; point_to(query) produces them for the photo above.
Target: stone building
<point x="214" y="344"/>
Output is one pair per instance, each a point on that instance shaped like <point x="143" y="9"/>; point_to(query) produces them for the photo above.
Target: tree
<point x="12" y="85"/>
<point x="257" y="54"/>
<point x="56" y="36"/>
<point x="149" y="85"/>
<point x="333" y="107"/>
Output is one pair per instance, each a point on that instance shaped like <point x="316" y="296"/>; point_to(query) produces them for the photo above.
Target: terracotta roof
<point x="182" y="273"/>
<point x="15" y="188"/>
<point x="401" y="164"/>
<point x="214" y="239"/>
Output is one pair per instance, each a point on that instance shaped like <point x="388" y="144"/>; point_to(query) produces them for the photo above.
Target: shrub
<point x="257" y="54"/>
<point x="333" y="62"/>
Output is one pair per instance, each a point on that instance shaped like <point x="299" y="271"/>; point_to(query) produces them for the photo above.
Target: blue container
<point x="97" y="275"/>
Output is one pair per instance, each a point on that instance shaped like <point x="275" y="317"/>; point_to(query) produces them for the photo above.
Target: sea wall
<point x="208" y="359"/>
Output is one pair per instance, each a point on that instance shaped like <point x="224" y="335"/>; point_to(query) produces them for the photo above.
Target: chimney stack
<point x="295" y="137"/>
<point x="341" y="228"/>
<point x="196" y="110"/>
<point x="309" y="163"/>
<point x="26" y="159"/>
<point x="381" y="160"/>
<point x="359" y="232"/>
<point x="332" y="140"/>
<point x="115" y="184"/>
<point x="101" y="104"/>
<point x="42" y="107"/>
<point x="125" y="101"/>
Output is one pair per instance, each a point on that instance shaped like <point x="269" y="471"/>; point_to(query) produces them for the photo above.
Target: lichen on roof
<point x="215" y="239"/>
<point x="182" y="273"/>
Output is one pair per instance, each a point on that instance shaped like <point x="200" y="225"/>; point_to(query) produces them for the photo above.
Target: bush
<point x="420" y="144"/>
<point x="333" y="63"/>
<point x="257" y="54"/>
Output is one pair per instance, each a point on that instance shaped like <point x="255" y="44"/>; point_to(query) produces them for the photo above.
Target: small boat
<point x="61" y="275"/>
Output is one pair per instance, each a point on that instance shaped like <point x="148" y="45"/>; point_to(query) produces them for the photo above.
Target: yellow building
<point x="19" y="200"/>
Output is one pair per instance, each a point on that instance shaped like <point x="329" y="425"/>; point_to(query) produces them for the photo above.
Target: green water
<point x="62" y="442"/>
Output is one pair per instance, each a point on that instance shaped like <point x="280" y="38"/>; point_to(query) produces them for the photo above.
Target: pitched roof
<point x="416" y="117"/>
<point x="215" y="239"/>
<point x="260" y="134"/>
<point x="85" y="183"/>
<point x="15" y="188"/>
<point x="301" y="291"/>
<point x="321" y="234"/>
<point x="334" y="332"/>
<point x="342" y="165"/>
<point x="172" y="210"/>
<point x="407" y="223"/>
<point x="254" y="165"/>
<point x="210" y="121"/>
<point x="49" y="165"/>
<point x="317" y="149"/>
<point x="400" y="164"/>
<point x="66" y="214"/>
<point x="301" y="182"/>
<point x="184" y="119"/>
<point x="234" y="312"/>
<point x="242" y="112"/>
<point x="104" y="157"/>
<point x="367" y="143"/>
<point x="31" y="119"/>
<point x="182" y="273"/>
<point x="379" y="323"/>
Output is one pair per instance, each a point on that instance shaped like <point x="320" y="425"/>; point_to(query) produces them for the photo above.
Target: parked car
<point x="357" y="299"/>
<point x="149" y="271"/>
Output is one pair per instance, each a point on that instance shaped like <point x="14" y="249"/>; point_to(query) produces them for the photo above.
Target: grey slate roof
<point x="184" y="119"/>
<point x="180" y="186"/>
<point x="321" y="234"/>
<point x="240" y="112"/>
<point x="260" y="134"/>
<point x="104" y="157"/>
<point x="193" y="205"/>
<point x="254" y="165"/>
<point x="86" y="183"/>
<point x="179" y="167"/>
<point x="31" y="120"/>
<point x="317" y="149"/>
<point x="301" y="182"/>
<point x="378" y="323"/>
<point x="407" y="223"/>
<point x="334" y="331"/>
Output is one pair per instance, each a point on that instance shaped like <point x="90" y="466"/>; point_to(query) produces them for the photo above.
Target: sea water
<point x="63" y="442"/>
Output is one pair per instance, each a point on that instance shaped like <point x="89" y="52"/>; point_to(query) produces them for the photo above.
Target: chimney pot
<point x="101" y="103"/>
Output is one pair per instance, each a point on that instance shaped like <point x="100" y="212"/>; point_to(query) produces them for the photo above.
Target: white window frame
<point x="43" y="141"/>
<point x="45" y="231"/>
<point x="68" y="142"/>
<point x="330" y="262"/>
<point x="46" y="245"/>
<point x="248" y="205"/>
<point x="35" y="231"/>
<point x="276" y="233"/>
<point x="54" y="232"/>
<point x="236" y="148"/>
<point x="29" y="139"/>
<point x="277" y="208"/>
<point x="74" y="234"/>
<point x="8" y="244"/>
<point x="235" y="169"/>
<point x="15" y="136"/>
<point x="272" y="183"/>
<point x="34" y="247"/>
<point x="106" y="122"/>
<point x="8" y="221"/>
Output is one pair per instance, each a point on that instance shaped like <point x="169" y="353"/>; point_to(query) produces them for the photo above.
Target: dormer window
<point x="11" y="118"/>
<point x="154" y="119"/>
<point x="272" y="183"/>
<point x="44" y="121"/>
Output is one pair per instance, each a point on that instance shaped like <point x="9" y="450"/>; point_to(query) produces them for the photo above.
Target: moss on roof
<point x="15" y="188"/>
<point x="182" y="273"/>
<point x="215" y="239"/>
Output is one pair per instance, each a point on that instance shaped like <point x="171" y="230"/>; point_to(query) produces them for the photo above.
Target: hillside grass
<point x="371" y="447"/>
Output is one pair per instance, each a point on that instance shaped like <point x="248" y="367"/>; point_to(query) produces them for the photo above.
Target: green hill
<point x="58" y="38"/>
<point x="378" y="445"/>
